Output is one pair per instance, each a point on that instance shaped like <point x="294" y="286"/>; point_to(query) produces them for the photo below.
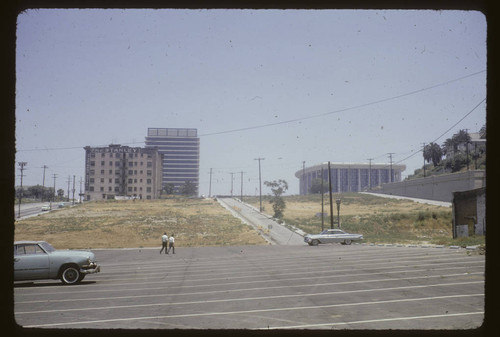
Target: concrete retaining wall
<point x="439" y="188"/>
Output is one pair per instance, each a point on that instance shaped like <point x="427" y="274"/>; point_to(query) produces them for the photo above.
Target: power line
<point x="344" y="109"/>
<point x="292" y="120"/>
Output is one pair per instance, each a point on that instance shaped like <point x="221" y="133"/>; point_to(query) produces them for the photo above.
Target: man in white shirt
<point x="164" y="241"/>
<point x="171" y="244"/>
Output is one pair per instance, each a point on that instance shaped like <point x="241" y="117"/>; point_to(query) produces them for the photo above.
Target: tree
<point x="188" y="188"/>
<point x="433" y="152"/>
<point x="169" y="189"/>
<point x="278" y="188"/>
<point x="316" y="185"/>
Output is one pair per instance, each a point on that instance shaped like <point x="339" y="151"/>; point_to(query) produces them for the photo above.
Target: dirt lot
<point x="118" y="224"/>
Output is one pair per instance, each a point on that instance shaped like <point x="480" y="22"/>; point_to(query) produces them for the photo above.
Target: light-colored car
<point x="45" y="208"/>
<point x="38" y="260"/>
<point x="332" y="236"/>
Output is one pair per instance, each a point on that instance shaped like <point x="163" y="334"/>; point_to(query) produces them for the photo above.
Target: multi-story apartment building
<point x="123" y="171"/>
<point x="181" y="155"/>
<point x="349" y="177"/>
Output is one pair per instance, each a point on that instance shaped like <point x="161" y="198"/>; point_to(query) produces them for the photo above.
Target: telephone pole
<point x="43" y="181"/>
<point x="423" y="152"/>
<point x="68" y="181"/>
<point x="22" y="164"/>
<point x="304" y="177"/>
<point x="390" y="158"/>
<point x="54" y="196"/>
<point x="73" y="190"/>
<point x="241" y="186"/>
<point x="260" y="184"/>
<point x="231" y="173"/>
<point x="210" y="185"/>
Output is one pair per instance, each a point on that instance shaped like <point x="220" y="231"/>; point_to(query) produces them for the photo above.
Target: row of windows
<point x="120" y="163"/>
<point x="117" y="189"/>
<point x="117" y="181"/>
<point x="173" y="132"/>
<point x="149" y="173"/>
<point x="121" y="155"/>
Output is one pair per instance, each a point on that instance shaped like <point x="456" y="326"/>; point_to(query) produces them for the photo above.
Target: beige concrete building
<point x="122" y="172"/>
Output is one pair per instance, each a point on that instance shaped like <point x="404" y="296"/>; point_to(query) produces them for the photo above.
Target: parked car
<point x="331" y="236"/>
<point x="45" y="208"/>
<point x="38" y="260"/>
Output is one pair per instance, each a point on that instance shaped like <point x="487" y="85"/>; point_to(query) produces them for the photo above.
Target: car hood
<point x="74" y="253"/>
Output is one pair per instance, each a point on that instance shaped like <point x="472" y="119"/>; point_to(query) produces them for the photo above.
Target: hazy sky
<point x="307" y="85"/>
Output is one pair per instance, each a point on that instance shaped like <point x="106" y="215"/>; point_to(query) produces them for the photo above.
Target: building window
<point x="91" y="180"/>
<point x="102" y="180"/>
<point x="149" y="181"/>
<point x="102" y="188"/>
<point x="92" y="163"/>
<point x="148" y="189"/>
<point x="102" y="162"/>
<point x="102" y="171"/>
<point x="110" y="171"/>
<point x="91" y="188"/>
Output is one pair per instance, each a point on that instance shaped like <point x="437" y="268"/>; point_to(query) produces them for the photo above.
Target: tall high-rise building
<point x="122" y="171"/>
<point x="181" y="155"/>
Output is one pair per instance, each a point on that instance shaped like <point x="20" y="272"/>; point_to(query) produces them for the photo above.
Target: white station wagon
<point x="332" y="236"/>
<point x="38" y="260"/>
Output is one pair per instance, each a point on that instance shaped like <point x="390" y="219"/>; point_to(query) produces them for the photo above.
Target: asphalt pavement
<point x="271" y="230"/>
<point x="265" y="287"/>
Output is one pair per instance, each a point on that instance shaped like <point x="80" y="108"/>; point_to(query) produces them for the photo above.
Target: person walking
<point x="171" y="241"/>
<point x="164" y="242"/>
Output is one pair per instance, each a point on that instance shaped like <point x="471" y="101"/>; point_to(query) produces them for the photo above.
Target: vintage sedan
<point x="332" y="236"/>
<point x="38" y="260"/>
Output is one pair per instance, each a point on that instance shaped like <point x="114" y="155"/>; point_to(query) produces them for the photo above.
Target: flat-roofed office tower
<point x="181" y="155"/>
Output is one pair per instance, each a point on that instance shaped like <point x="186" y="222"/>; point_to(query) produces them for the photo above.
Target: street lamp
<point x="338" y="212"/>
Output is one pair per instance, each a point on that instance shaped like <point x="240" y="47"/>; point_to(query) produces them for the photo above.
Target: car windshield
<point x="47" y="247"/>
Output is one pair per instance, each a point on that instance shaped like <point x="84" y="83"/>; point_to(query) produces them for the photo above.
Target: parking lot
<point x="266" y="287"/>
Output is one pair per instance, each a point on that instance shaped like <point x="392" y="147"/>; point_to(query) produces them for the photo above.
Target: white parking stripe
<point x="247" y="289"/>
<point x="332" y="324"/>
<point x="245" y="298"/>
<point x="171" y="279"/>
<point x="250" y="311"/>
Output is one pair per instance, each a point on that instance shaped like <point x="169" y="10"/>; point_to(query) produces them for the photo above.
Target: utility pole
<point x="231" y="173"/>
<point x="423" y="152"/>
<point x="80" y="194"/>
<point x="73" y="190"/>
<point x="322" y="202"/>
<point x="331" y="201"/>
<point x="304" y="177"/>
<point x="390" y="157"/>
<point x="43" y="182"/>
<point x="241" y="186"/>
<point x="22" y="164"/>
<point x="467" y="146"/>
<point x="68" y="181"/>
<point x="370" y="173"/>
<point x="54" y="196"/>
<point x="210" y="185"/>
<point x="260" y="184"/>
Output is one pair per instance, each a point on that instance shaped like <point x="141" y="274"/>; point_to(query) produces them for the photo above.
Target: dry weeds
<point x="119" y="224"/>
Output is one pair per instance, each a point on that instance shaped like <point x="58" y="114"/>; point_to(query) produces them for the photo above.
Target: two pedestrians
<point x="167" y="241"/>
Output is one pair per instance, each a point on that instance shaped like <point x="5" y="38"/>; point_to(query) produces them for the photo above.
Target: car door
<point x="31" y="262"/>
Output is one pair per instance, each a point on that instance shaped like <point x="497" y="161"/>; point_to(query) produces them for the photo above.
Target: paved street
<point x="266" y="287"/>
<point x="272" y="231"/>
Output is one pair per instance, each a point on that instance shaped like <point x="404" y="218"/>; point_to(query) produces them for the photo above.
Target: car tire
<point x="71" y="275"/>
<point x="314" y="242"/>
<point x="347" y="242"/>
